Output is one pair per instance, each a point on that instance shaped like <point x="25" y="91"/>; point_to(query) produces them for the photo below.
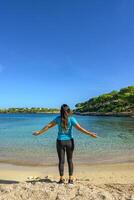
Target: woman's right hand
<point x="93" y="135"/>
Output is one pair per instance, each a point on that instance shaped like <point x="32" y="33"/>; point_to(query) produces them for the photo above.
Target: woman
<point x="65" y="141"/>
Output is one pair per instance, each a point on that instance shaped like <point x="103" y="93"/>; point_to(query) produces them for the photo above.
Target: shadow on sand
<point x="46" y="180"/>
<point x="8" y="182"/>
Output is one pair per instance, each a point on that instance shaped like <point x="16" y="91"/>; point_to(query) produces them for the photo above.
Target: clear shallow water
<point x="115" y="142"/>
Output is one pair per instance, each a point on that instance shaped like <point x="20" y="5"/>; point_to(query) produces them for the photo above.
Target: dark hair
<point x="64" y="113"/>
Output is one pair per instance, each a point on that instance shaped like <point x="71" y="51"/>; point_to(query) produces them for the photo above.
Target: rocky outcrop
<point x="116" y="114"/>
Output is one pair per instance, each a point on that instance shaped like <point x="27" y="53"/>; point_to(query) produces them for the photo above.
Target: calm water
<point x="115" y="142"/>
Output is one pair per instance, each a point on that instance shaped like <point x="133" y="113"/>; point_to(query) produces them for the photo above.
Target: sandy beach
<point x="99" y="181"/>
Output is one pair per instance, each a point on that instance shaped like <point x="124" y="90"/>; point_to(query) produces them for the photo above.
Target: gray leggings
<point x="62" y="146"/>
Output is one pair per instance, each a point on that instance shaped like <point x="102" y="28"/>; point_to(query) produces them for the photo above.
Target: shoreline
<point x="108" y="114"/>
<point x="84" y="160"/>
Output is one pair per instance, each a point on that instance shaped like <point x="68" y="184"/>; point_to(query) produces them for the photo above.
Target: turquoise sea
<point x="115" y="142"/>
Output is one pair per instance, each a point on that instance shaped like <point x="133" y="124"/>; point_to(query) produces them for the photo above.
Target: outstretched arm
<point x="45" y="128"/>
<point x="78" y="127"/>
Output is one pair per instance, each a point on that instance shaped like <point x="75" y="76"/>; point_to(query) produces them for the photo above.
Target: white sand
<point x="107" y="181"/>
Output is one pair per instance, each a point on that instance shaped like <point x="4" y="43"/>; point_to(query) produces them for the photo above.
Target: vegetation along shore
<point x="29" y="110"/>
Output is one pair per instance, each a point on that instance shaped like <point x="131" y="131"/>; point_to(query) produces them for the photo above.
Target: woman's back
<point x="65" y="134"/>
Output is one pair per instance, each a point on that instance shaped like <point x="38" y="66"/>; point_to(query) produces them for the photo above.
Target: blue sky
<point x="54" y="52"/>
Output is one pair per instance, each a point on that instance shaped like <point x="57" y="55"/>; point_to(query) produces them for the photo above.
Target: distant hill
<point x="114" y="102"/>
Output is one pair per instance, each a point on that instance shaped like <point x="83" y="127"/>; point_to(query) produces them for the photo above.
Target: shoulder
<point x="72" y="117"/>
<point x="73" y="120"/>
<point x="56" y="119"/>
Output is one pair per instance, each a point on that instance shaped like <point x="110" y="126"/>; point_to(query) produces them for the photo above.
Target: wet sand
<point x="97" y="173"/>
